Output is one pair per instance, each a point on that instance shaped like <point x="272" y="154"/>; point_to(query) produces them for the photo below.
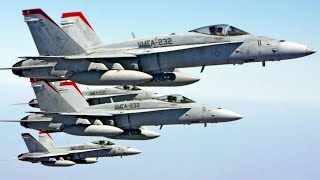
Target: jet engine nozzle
<point x="17" y="72"/>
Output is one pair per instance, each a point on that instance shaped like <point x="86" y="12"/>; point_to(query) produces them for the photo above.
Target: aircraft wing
<point x="108" y="113"/>
<point x="142" y="51"/>
<point x="114" y="97"/>
<point x="104" y="96"/>
<point x="50" y="154"/>
<point x="66" y="153"/>
<point x="87" y="150"/>
<point x="78" y="114"/>
<point x="132" y="53"/>
<point x="137" y="111"/>
<point x="106" y="55"/>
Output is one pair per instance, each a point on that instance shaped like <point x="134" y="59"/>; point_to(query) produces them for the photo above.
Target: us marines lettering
<point x="155" y="42"/>
<point x="127" y="106"/>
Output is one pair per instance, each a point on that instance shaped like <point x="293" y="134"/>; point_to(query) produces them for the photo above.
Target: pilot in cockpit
<point x="174" y="99"/>
<point x="126" y="87"/>
<point x="212" y="30"/>
<point x="219" y="31"/>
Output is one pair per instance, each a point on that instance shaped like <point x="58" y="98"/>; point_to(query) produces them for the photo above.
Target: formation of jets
<point x="72" y="53"/>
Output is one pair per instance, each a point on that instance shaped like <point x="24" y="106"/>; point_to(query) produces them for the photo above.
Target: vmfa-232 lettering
<point x="155" y="42"/>
<point x="127" y="106"/>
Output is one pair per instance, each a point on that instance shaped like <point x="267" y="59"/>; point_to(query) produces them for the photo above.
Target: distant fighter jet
<point x="66" y="110"/>
<point x="151" y="61"/>
<point x="47" y="154"/>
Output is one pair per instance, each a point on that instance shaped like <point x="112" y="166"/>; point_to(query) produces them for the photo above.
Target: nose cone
<point x="290" y="50"/>
<point x="310" y="51"/>
<point x="226" y="115"/>
<point x="132" y="151"/>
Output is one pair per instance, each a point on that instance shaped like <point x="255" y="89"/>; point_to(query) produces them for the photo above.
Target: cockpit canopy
<point x="103" y="142"/>
<point x="128" y="87"/>
<point x="220" y="30"/>
<point x="175" y="98"/>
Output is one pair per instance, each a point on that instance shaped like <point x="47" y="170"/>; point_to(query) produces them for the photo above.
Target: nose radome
<point x="294" y="50"/>
<point x="132" y="151"/>
<point x="229" y="115"/>
<point x="310" y="51"/>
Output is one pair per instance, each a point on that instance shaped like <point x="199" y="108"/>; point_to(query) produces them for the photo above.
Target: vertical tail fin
<point x="46" y="140"/>
<point x="66" y="98"/>
<point x="72" y="94"/>
<point x="49" y="98"/>
<point x="49" y="38"/>
<point x="32" y="144"/>
<point x="77" y="26"/>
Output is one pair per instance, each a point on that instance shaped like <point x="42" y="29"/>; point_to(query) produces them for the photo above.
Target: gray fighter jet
<point x="151" y="61"/>
<point x="47" y="154"/>
<point x="66" y="110"/>
<point x="106" y="95"/>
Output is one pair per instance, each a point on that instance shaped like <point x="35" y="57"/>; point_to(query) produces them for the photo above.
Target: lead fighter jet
<point x="47" y="154"/>
<point x="151" y="61"/>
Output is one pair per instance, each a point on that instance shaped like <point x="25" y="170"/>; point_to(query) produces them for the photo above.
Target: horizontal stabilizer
<point x="26" y="121"/>
<point x="27" y="67"/>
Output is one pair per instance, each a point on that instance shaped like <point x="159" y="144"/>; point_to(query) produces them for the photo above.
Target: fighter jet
<point x="66" y="110"/>
<point x="151" y="61"/>
<point x="106" y="95"/>
<point x="45" y="152"/>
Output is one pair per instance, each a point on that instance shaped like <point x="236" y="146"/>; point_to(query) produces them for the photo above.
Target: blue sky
<point x="278" y="138"/>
